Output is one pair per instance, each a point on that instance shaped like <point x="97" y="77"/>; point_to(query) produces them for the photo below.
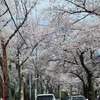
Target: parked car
<point x="45" y="97"/>
<point x="78" y="97"/>
<point x="66" y="98"/>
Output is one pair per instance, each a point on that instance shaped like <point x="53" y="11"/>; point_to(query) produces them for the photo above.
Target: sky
<point x="38" y="10"/>
<point x="43" y="5"/>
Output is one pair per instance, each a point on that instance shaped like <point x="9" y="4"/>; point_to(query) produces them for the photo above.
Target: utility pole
<point x="22" y="89"/>
<point x="59" y="91"/>
<point x="71" y="89"/>
<point x="3" y="87"/>
<point x="30" y="86"/>
<point x="35" y="87"/>
<point x="36" y="78"/>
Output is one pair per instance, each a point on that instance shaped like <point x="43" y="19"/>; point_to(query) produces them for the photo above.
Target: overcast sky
<point x="43" y="5"/>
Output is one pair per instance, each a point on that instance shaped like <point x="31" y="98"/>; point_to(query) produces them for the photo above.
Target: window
<point x="45" y="97"/>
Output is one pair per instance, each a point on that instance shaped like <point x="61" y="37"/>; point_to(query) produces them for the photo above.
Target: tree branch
<point x="84" y="8"/>
<point x="81" y="19"/>
<point x="78" y="75"/>
<point x="31" y="52"/>
<point x="81" y="58"/>
<point x="6" y="23"/>
<point x="17" y="27"/>
<point x="70" y="62"/>
<point x="4" y="13"/>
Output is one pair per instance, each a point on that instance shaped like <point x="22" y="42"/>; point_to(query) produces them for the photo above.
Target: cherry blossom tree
<point x="8" y="19"/>
<point x="71" y="20"/>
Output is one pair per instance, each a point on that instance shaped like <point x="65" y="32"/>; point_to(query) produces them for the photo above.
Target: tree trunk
<point x="6" y="78"/>
<point x="41" y="88"/>
<point x="19" y="79"/>
<point x="85" y="90"/>
<point x="47" y="88"/>
<point x="91" y="93"/>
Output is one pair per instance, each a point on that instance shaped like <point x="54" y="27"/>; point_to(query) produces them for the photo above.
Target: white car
<point x="45" y="97"/>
